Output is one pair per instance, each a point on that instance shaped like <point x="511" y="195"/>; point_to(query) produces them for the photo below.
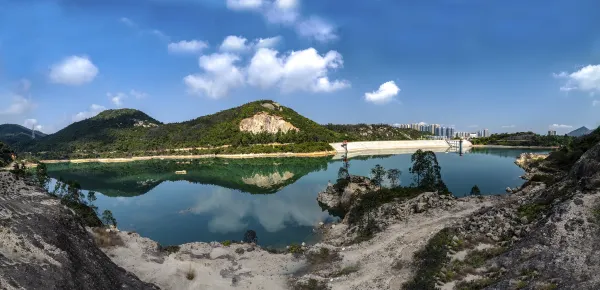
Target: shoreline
<point x="203" y="156"/>
<point x="515" y="147"/>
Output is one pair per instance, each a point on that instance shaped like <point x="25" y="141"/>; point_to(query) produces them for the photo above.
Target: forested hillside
<point x="375" y="132"/>
<point x="522" y="139"/>
<point x="12" y="134"/>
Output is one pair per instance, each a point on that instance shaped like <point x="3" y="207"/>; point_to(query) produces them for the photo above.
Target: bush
<point x="226" y="243"/>
<point x="295" y="249"/>
<point x="430" y="260"/>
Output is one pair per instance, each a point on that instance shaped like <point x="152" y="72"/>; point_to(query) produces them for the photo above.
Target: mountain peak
<point x="579" y="132"/>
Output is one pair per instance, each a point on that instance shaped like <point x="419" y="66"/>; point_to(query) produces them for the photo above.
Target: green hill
<point x="12" y="134"/>
<point x="258" y="127"/>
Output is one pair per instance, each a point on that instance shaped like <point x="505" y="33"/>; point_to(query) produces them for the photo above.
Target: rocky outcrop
<point x="43" y="245"/>
<point x="340" y="196"/>
<point x="264" y="122"/>
<point x="525" y="160"/>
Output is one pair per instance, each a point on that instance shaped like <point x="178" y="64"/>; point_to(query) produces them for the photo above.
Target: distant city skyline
<point x="467" y="64"/>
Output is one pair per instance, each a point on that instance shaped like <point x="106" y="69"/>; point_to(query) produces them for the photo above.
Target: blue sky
<point x="502" y="65"/>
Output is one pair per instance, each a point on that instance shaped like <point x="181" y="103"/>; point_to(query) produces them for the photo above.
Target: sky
<point x="506" y="66"/>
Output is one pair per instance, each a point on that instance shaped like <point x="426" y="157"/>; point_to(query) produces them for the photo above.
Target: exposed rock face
<point x="43" y="246"/>
<point x="340" y="196"/>
<point x="526" y="159"/>
<point x="264" y="122"/>
<point x="268" y="181"/>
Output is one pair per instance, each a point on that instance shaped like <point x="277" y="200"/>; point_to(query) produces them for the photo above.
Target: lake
<point x="220" y="199"/>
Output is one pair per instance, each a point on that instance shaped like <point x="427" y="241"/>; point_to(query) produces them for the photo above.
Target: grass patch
<point x="311" y="284"/>
<point x="430" y="260"/>
<point x="474" y="284"/>
<point x="226" y="243"/>
<point x="169" y="249"/>
<point x="322" y="256"/>
<point x="531" y="211"/>
<point x="295" y="249"/>
<point x="190" y="274"/>
<point x="545" y="178"/>
<point x="347" y="270"/>
<point x="521" y="284"/>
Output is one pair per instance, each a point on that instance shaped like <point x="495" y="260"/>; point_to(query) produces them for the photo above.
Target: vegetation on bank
<point x="523" y="139"/>
<point x="5" y="154"/>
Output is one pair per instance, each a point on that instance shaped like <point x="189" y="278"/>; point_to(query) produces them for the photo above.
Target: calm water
<point x="220" y="199"/>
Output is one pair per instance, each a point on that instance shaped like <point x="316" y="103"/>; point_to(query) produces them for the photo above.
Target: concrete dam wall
<point x="371" y="146"/>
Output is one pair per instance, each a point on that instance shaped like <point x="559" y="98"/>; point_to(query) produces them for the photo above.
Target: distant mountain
<point x="579" y="132"/>
<point x="12" y="134"/>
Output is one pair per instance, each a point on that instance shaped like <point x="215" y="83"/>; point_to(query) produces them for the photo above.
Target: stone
<point x="239" y="251"/>
<point x="420" y="207"/>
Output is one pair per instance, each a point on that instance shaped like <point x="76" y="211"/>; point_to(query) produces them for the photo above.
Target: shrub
<point x="295" y="249"/>
<point x="190" y="274"/>
<point x="430" y="260"/>
<point x="226" y="243"/>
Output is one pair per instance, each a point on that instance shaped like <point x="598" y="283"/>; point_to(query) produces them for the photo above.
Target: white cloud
<point x="386" y="92"/>
<point x="270" y="42"/>
<point x="245" y="4"/>
<point x="137" y="94"/>
<point x="508" y="126"/>
<point x="117" y="99"/>
<point x="184" y="46"/>
<point x="595" y="103"/>
<point x="220" y="75"/>
<point x="233" y="43"/>
<point x="32" y="123"/>
<point x="303" y="70"/>
<point x="586" y="79"/>
<point x="93" y="111"/>
<point x="127" y="22"/>
<point x="287" y="12"/>
<point x="73" y="70"/>
<point x="316" y="28"/>
<point x="18" y="106"/>
<point x="560" y="126"/>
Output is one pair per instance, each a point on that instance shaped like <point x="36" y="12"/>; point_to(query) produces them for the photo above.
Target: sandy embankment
<point x="173" y="157"/>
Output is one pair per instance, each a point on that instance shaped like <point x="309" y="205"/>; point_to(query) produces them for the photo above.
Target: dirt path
<point x="396" y="246"/>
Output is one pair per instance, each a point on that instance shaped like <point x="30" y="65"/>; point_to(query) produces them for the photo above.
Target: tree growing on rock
<point x="393" y="176"/>
<point x="250" y="237"/>
<point x="427" y="172"/>
<point x="475" y="190"/>
<point x="377" y="175"/>
<point x="108" y="218"/>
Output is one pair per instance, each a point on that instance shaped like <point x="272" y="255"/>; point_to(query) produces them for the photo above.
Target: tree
<point x="250" y="237"/>
<point x="108" y="219"/>
<point x="427" y="172"/>
<point x="377" y="175"/>
<point x="394" y="176"/>
<point x="475" y="190"/>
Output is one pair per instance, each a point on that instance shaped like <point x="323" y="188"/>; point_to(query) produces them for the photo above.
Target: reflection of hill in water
<point x="256" y="176"/>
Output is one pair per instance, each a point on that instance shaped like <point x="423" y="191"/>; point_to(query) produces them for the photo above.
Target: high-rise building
<point x="551" y="133"/>
<point x="486" y="133"/>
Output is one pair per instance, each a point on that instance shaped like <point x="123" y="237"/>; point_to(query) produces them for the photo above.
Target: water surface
<point x="220" y="199"/>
